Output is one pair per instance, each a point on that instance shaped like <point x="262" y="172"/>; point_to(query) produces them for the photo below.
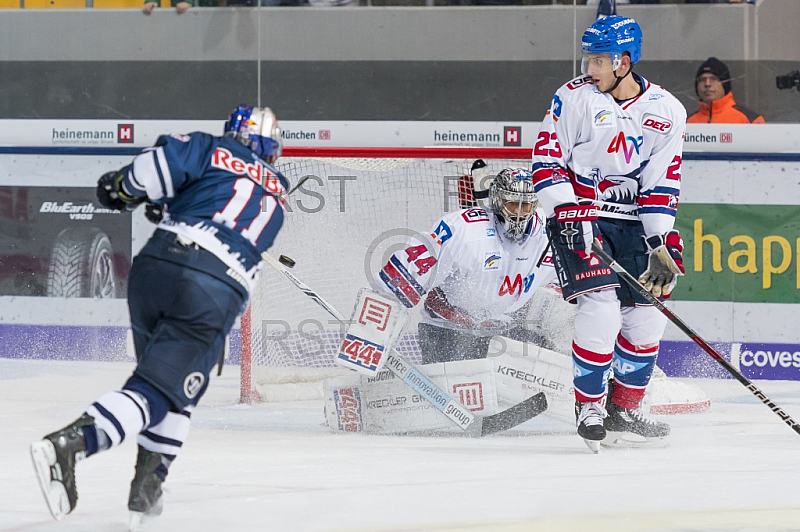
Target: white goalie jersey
<point x="623" y="157"/>
<point x="468" y="274"/>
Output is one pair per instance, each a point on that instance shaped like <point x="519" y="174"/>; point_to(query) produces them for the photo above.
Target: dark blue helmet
<point x="613" y="35"/>
<point x="257" y="128"/>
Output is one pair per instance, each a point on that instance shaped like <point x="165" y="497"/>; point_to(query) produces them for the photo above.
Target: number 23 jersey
<point x="625" y="157"/>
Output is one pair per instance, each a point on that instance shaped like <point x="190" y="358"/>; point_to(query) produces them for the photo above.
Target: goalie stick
<point x="477" y="426"/>
<point x="597" y="248"/>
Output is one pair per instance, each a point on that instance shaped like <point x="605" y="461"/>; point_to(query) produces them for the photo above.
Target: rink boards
<point x="739" y="218"/>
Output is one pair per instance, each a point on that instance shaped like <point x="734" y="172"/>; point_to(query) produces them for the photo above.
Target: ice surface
<point x="274" y="467"/>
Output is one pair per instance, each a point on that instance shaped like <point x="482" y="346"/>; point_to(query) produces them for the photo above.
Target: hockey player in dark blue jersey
<point x="221" y="205"/>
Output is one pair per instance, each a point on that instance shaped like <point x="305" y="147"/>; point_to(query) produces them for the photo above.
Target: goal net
<point x="356" y="207"/>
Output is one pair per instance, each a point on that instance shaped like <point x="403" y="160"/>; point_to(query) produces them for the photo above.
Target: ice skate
<point x="589" y="419"/>
<point x="632" y="427"/>
<point x="54" y="459"/>
<point x="145" y="500"/>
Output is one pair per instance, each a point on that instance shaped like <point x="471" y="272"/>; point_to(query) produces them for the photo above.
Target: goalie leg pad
<point x="522" y="370"/>
<point x="445" y="345"/>
<point x="384" y="404"/>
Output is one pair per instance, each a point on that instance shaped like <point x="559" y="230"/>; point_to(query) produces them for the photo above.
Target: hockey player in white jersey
<point x="607" y="165"/>
<point x="476" y="271"/>
<point x="475" y="274"/>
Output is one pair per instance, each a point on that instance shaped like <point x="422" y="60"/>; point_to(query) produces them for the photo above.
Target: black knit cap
<point x="719" y="69"/>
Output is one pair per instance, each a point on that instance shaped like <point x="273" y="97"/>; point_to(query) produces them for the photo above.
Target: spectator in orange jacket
<point x="717" y="106"/>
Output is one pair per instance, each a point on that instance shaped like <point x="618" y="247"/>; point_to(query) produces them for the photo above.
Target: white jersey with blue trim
<point x="468" y="271"/>
<point x="210" y="189"/>
<point x="625" y="157"/>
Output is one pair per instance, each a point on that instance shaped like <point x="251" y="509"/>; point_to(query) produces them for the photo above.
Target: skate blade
<point x="138" y="521"/>
<point x="629" y="440"/>
<point x="593" y="445"/>
<point x="43" y="456"/>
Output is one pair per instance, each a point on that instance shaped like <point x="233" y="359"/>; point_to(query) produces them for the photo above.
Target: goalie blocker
<point x="374" y="328"/>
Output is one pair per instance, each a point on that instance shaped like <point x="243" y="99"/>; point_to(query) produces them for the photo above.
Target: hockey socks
<point x="633" y="365"/>
<point x="168" y="435"/>
<point x="118" y="414"/>
<point x="590" y="372"/>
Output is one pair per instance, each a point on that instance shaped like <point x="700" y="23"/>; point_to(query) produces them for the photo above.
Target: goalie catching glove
<point x="664" y="265"/>
<point x="111" y="194"/>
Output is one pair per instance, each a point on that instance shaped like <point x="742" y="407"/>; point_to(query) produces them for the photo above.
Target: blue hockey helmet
<point x="257" y="128"/>
<point x="613" y="35"/>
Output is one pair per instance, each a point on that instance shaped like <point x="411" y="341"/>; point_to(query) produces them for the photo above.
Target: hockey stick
<point x="597" y="248"/>
<point x="471" y="424"/>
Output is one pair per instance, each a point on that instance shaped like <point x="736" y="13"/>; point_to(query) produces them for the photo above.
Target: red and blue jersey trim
<point x="402" y="284"/>
<point x="548" y="174"/>
<point x="660" y="200"/>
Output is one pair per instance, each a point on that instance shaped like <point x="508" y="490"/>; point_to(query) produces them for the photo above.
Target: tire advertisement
<point x="58" y="242"/>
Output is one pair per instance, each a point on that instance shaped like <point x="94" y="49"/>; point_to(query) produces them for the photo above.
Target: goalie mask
<point x="513" y="201"/>
<point x="257" y="128"/>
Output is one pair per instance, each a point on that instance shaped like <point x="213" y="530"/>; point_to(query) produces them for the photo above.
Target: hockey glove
<point x="110" y="193"/>
<point x="574" y="227"/>
<point x="153" y="212"/>
<point x="664" y="264"/>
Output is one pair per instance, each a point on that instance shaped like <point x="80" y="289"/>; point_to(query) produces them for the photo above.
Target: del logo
<point x="491" y="261"/>
<point x="124" y="133"/>
<point x="627" y="145"/>
<point x="512" y="136"/>
<point x="657" y="124"/>
<point x="575" y="83"/>
<point x="475" y="215"/>
<point x="518" y="286"/>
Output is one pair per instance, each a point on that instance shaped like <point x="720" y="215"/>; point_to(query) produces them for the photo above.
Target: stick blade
<point x="513" y="416"/>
